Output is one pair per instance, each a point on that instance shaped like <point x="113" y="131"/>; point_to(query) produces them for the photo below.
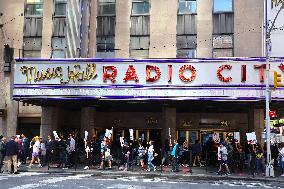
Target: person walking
<point x="196" y="152"/>
<point x="35" y="152"/>
<point x="2" y="152"/>
<point x="223" y="158"/>
<point x="25" y="145"/>
<point x="50" y="149"/>
<point x="11" y="155"/>
<point x="62" y="148"/>
<point x="71" y="151"/>
<point x="281" y="156"/>
<point x="141" y="155"/>
<point x="151" y="154"/>
<point x="18" y="140"/>
<point x="259" y="159"/>
<point x="42" y="152"/>
<point x="175" y="154"/>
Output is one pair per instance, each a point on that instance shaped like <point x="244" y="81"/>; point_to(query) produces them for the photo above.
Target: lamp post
<point x="269" y="167"/>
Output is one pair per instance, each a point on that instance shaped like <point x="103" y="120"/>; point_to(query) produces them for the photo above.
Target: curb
<point x="186" y="177"/>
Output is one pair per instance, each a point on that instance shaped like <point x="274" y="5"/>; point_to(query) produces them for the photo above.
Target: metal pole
<point x="269" y="168"/>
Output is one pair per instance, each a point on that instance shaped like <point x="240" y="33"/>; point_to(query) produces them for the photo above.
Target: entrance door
<point x="155" y="135"/>
<point x="143" y="135"/>
<point x="206" y="137"/>
<point x="117" y="133"/>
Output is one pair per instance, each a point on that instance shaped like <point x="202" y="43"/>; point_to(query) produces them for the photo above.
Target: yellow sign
<point x="75" y="73"/>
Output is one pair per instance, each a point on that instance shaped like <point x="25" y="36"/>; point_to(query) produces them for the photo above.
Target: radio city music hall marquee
<point x="142" y="79"/>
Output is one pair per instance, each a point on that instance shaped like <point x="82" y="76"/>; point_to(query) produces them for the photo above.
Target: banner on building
<point x="143" y="79"/>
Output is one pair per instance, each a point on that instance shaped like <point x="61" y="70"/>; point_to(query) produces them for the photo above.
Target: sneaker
<point x="19" y="163"/>
<point x="228" y="174"/>
<point x="64" y="168"/>
<point x="39" y="165"/>
<point x="282" y="175"/>
<point x="193" y="165"/>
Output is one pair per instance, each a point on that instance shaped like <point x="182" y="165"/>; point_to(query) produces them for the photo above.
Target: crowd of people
<point x="66" y="152"/>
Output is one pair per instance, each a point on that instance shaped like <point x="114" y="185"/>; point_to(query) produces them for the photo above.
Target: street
<point x="29" y="180"/>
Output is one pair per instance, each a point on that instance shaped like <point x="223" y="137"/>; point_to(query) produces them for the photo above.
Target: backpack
<point x="178" y="150"/>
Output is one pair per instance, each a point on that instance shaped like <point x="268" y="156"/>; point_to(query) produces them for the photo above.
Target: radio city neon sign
<point x="153" y="73"/>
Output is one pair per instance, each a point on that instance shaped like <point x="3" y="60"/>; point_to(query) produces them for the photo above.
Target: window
<point x="34" y="1"/>
<point x="186" y="29"/>
<point x="58" y="45"/>
<point x="106" y="7"/>
<point x="223" y="41"/>
<point x="60" y="9"/>
<point x="34" y="9"/>
<point x="140" y="29"/>
<point x="140" y="46"/>
<point x="186" y="24"/>
<point x="32" y="47"/>
<point x="223" y="6"/>
<point x="106" y="28"/>
<point x="58" y="41"/>
<point x="105" y="44"/>
<point x="105" y="47"/>
<point x="187" y="7"/>
<point x="59" y="26"/>
<point x="223" y="28"/>
<point x="186" y="41"/>
<point x="33" y="28"/>
<point x="140" y="7"/>
<point x="223" y="23"/>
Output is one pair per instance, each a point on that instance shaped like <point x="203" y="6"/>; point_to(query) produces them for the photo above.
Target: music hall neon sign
<point x="187" y="73"/>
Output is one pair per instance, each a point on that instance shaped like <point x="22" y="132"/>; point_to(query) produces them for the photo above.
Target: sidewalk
<point x="199" y="173"/>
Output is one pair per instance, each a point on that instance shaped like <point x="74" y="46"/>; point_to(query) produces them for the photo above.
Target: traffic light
<point x="277" y="80"/>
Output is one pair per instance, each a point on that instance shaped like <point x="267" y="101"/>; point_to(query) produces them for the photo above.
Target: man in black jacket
<point x="2" y="152"/>
<point x="50" y="148"/>
<point x="11" y="154"/>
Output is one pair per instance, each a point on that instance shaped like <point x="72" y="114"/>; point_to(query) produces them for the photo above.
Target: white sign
<point x="251" y="136"/>
<point x="131" y="134"/>
<point x="108" y="133"/>
<point x="86" y="135"/>
<point x="237" y="136"/>
<point x="216" y="137"/>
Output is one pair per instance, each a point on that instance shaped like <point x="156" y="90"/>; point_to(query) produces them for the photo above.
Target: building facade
<point x="130" y="29"/>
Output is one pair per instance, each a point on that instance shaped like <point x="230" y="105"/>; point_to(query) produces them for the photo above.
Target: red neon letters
<point x="107" y="75"/>
<point x="131" y="74"/>
<point x="148" y="73"/>
<point x="220" y="76"/>
<point x="181" y="73"/>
